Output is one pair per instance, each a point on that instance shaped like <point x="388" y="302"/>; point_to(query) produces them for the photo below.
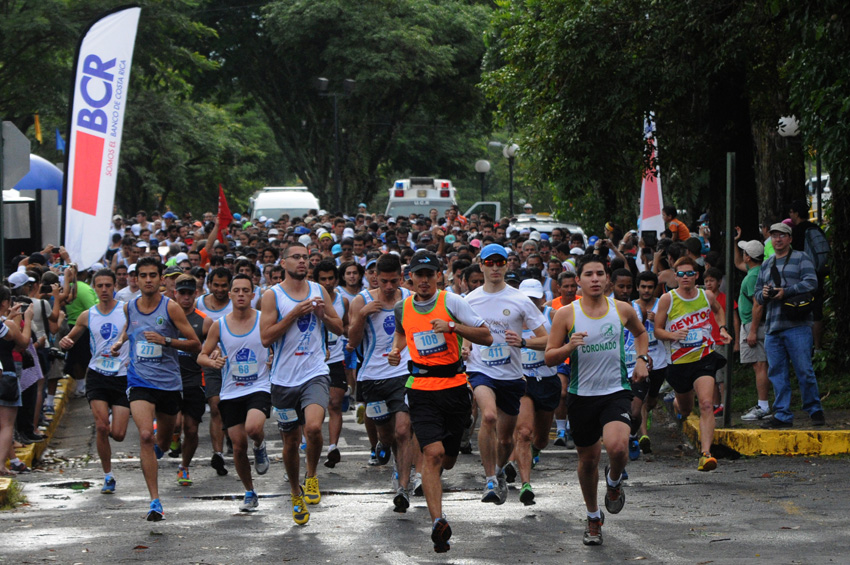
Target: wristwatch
<point x="645" y="358"/>
<point x="451" y="326"/>
<point x="522" y="343"/>
<point x="168" y="342"/>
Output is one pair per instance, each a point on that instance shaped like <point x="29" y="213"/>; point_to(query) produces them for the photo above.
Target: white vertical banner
<point x="651" y="200"/>
<point x="101" y="81"/>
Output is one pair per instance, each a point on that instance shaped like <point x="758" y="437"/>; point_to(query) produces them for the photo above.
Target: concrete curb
<point x="775" y="442"/>
<point x="31" y="453"/>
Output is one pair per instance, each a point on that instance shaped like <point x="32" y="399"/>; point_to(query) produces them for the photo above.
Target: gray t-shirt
<point x="458" y="308"/>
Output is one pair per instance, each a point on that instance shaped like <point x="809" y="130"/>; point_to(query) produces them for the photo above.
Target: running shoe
<point x="774" y="423"/>
<point x="217" y="463"/>
<point x="299" y="510"/>
<point x="401" y="502"/>
<point x="624" y="476"/>
<point x="158" y="451"/>
<point x="373" y="459"/>
<point x="440" y="535"/>
<point x="707" y="462"/>
<point x="261" y="459"/>
<point x="333" y="458"/>
<point x="561" y="438"/>
<point x="490" y="493"/>
<point x="19" y="467"/>
<point x="593" y="530"/>
<point x="395" y="478"/>
<point x="535" y="459"/>
<point x="303" y="447"/>
<point x="755" y="413"/>
<point x="108" y="486"/>
<point x="361" y="413"/>
<point x="311" y="490"/>
<point x="570" y="443"/>
<point x="48" y="410"/>
<point x="466" y="447"/>
<point x="634" y="448"/>
<point x="176" y="446"/>
<point x="718" y="411"/>
<point x="382" y="454"/>
<point x="526" y="495"/>
<point x="510" y="471"/>
<point x="250" y="503"/>
<point x="155" y="514"/>
<point x="503" y="488"/>
<point x="183" y="477"/>
<point x="416" y="484"/>
<point x="645" y="445"/>
<point x="615" y="498"/>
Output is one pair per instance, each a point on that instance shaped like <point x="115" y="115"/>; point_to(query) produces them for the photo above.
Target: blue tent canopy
<point x="43" y="175"/>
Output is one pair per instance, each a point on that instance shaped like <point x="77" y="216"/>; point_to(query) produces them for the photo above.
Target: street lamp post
<point x="348" y="88"/>
<point x="509" y="151"/>
<point x="482" y="167"/>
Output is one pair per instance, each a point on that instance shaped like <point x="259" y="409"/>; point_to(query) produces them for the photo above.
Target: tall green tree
<point x="415" y="63"/>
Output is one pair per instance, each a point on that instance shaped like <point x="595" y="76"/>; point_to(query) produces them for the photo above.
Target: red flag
<point x="224" y="215"/>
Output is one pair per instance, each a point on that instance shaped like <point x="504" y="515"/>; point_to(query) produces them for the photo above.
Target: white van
<point x="417" y="195"/>
<point x="274" y="201"/>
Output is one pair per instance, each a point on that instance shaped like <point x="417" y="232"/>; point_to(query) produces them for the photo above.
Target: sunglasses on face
<point x="495" y="262"/>
<point x="681" y="274"/>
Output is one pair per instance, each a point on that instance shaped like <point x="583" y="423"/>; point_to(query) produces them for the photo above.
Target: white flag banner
<point x="651" y="200"/>
<point x="101" y="80"/>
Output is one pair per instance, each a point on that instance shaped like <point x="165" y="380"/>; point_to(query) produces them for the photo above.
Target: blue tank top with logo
<point x="152" y="365"/>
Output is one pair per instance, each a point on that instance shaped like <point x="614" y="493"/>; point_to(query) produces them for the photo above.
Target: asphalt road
<point x="760" y="510"/>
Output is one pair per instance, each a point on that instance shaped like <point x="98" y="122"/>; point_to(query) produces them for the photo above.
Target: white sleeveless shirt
<point x="299" y="354"/>
<point x="599" y="366"/>
<point x="246" y="368"/>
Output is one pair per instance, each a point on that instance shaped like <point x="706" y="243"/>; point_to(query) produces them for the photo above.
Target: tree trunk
<point x="780" y="172"/>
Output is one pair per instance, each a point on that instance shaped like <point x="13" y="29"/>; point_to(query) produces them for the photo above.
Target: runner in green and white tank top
<point x="599" y="364"/>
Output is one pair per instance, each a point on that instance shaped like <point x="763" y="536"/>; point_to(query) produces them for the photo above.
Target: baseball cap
<point x="237" y="217"/>
<point x="754" y="248"/>
<point x="96" y="267"/>
<point x="531" y="288"/>
<point x="117" y="217"/>
<point x="576" y="251"/>
<point x="301" y="230"/>
<point x="131" y="269"/>
<point x="181" y="257"/>
<point x="169" y="215"/>
<point x="535" y="236"/>
<point x="424" y="260"/>
<point x="544" y="236"/>
<point x="361" y="205"/>
<point x="326" y="235"/>
<point x="19" y="279"/>
<point x="592" y="240"/>
<point x="336" y="249"/>
<point x="493" y="249"/>
<point x="171" y="271"/>
<point x="186" y="284"/>
<point x="512" y="278"/>
<point x="273" y="231"/>
<point x="450" y="239"/>
<point x="370" y="263"/>
<point x="198" y="224"/>
<point x="305" y="240"/>
<point x="476" y="243"/>
<point x="781" y="228"/>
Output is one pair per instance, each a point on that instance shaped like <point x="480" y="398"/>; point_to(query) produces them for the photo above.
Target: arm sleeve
<point x="461" y="310"/>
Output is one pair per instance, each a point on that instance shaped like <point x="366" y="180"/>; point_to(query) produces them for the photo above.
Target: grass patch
<point x="14" y="496"/>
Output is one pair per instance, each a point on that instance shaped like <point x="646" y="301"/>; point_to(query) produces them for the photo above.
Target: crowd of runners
<point x="429" y="327"/>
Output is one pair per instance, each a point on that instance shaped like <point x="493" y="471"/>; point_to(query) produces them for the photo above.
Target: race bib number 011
<point x="429" y="342"/>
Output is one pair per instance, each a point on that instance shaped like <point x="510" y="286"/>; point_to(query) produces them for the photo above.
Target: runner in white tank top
<point x="383" y="386"/>
<point x="291" y="322"/>
<point x="590" y="332"/>
<point x="245" y="392"/>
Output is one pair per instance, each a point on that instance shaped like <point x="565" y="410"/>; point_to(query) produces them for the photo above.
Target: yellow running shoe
<point x="183" y="477"/>
<point x="361" y="413"/>
<point x="707" y="462"/>
<point x="299" y="510"/>
<point x="311" y="490"/>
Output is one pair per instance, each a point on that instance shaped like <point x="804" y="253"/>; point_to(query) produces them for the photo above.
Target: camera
<point x="772" y="292"/>
<point x="23" y="301"/>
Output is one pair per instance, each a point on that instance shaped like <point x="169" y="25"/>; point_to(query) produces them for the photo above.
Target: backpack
<point x="817" y="247"/>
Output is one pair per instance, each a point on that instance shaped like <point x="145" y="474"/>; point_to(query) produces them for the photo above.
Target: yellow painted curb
<point x="775" y="442"/>
<point x="64" y="389"/>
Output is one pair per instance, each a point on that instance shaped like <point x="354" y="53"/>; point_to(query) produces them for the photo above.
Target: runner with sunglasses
<point x="683" y="319"/>
<point x="495" y="371"/>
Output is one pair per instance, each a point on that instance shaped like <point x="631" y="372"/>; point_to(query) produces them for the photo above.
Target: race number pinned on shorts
<point x="107" y="365"/>
<point x="429" y="342"/>
<point x="286" y="415"/>
<point x="148" y="352"/>
<point x="531" y="359"/>
<point x="494" y="355"/>
<point x="377" y="410"/>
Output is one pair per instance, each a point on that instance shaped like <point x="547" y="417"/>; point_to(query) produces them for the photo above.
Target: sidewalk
<point x="31" y="453"/>
<point x="747" y="438"/>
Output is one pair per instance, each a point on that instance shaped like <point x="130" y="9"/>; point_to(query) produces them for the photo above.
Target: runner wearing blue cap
<point x="495" y="371"/>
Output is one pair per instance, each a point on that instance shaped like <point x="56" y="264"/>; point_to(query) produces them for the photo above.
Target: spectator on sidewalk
<point x="789" y="274"/>
<point x="751" y="337"/>
<point x="12" y="338"/>
<point x="808" y="237"/>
